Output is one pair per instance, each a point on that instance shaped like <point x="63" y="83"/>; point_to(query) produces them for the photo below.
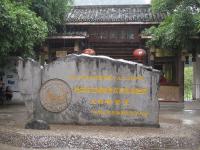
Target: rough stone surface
<point x="29" y="74"/>
<point x="37" y="124"/>
<point x="94" y="90"/>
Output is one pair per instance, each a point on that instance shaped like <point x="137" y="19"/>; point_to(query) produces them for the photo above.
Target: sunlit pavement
<point x="178" y="130"/>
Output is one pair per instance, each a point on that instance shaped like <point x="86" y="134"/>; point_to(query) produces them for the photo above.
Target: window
<point x="123" y="35"/>
<point x="130" y="35"/>
<point x="112" y="34"/>
<point x="103" y="35"/>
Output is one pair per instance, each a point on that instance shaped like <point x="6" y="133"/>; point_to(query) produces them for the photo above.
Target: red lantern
<point x="139" y="54"/>
<point x="89" y="51"/>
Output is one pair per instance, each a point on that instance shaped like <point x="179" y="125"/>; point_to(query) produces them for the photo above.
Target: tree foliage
<point x="26" y="23"/>
<point x="52" y="11"/>
<point x="20" y="29"/>
<point x="181" y="23"/>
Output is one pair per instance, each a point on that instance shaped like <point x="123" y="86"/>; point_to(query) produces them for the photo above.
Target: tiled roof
<point x="124" y="14"/>
<point x="109" y="2"/>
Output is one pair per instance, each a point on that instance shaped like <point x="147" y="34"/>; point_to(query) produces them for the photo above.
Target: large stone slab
<point x="96" y="90"/>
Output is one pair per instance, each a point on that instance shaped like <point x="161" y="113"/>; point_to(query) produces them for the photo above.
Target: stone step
<point x="171" y="105"/>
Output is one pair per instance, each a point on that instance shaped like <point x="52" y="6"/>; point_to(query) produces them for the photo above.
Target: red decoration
<point x="89" y="51"/>
<point x="139" y="54"/>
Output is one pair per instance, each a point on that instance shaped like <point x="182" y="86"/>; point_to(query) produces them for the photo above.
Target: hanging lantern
<point x="89" y="51"/>
<point x="139" y="54"/>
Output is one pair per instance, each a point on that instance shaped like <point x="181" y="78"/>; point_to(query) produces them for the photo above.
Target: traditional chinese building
<point x="115" y="31"/>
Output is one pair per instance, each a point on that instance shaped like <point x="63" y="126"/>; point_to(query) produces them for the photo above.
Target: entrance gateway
<point x="95" y="90"/>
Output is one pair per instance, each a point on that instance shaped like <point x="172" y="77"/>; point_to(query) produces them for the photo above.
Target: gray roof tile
<point x="114" y="14"/>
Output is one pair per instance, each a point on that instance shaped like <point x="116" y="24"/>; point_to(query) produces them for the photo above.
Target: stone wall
<point x="95" y="90"/>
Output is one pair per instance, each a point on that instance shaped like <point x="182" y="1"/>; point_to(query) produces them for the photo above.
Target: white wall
<point x="196" y="79"/>
<point x="10" y="78"/>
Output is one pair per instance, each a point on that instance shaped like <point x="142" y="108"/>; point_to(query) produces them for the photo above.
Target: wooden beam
<point x="195" y="37"/>
<point x="66" y="37"/>
<point x="149" y="37"/>
<point x="145" y="37"/>
<point x="112" y="23"/>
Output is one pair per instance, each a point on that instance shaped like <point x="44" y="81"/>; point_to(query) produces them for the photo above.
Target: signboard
<point x="61" y="54"/>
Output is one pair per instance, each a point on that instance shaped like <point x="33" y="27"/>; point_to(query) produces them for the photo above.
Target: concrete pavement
<point x="179" y="129"/>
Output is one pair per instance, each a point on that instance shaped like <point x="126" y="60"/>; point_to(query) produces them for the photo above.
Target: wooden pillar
<point x="181" y="78"/>
<point x="152" y="56"/>
<point x="76" y="46"/>
<point x="43" y="53"/>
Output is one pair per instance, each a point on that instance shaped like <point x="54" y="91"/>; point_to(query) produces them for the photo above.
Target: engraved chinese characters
<point x="55" y="95"/>
<point x="94" y="90"/>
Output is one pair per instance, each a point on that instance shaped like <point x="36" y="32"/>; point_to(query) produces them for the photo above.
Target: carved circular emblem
<point x="55" y="95"/>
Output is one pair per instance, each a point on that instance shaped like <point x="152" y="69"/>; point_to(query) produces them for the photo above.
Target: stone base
<point x="38" y="125"/>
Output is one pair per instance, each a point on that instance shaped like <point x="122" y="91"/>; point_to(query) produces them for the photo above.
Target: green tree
<point x="26" y="23"/>
<point x="181" y="23"/>
<point x="52" y="11"/>
<point x="20" y="29"/>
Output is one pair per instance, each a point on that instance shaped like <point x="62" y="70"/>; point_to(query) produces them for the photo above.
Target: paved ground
<point x="178" y="130"/>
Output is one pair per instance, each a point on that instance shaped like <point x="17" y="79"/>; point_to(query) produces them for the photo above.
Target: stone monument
<point x="97" y="90"/>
